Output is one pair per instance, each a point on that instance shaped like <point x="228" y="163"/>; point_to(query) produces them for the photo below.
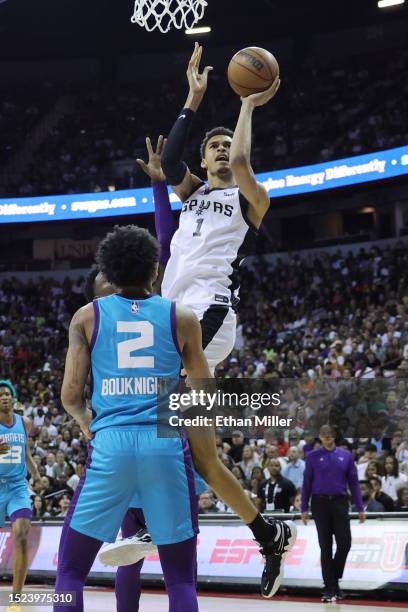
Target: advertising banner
<point x="279" y="183"/>
<point x="379" y="554"/>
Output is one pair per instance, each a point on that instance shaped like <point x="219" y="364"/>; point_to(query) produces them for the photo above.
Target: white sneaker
<point x="127" y="551"/>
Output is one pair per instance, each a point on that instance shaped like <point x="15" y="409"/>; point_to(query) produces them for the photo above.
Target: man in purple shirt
<point x="329" y="470"/>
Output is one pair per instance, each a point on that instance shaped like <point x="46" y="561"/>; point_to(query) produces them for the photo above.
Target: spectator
<point x="63" y="504"/>
<point x="50" y="465"/>
<point x="380" y="496"/>
<point x="250" y="460"/>
<point x="369" y="502"/>
<point x="257" y="477"/>
<point x="370" y="454"/>
<point x="393" y="479"/>
<point x="61" y="466"/>
<point x="297" y="503"/>
<point x="402" y="450"/>
<point x="237" y="447"/>
<point x="276" y="493"/>
<point x="373" y="468"/>
<point x="240" y="476"/>
<point x="271" y="452"/>
<point x="206" y="503"/>
<point x="295" y="468"/>
<point x="73" y="478"/>
<point x="402" y="500"/>
<point x="39" y="507"/>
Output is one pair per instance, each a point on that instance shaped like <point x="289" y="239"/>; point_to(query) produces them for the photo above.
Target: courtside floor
<point x="104" y="601"/>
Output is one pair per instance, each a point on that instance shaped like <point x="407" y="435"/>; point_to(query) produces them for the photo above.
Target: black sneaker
<point x="328" y="596"/>
<point x="339" y="592"/>
<point x="275" y="552"/>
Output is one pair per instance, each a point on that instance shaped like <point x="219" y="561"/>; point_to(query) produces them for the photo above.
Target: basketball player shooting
<point x="215" y="222"/>
<point x="219" y="220"/>
<point x="15" y="457"/>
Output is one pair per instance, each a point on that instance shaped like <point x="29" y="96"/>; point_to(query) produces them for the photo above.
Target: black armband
<point x="173" y="166"/>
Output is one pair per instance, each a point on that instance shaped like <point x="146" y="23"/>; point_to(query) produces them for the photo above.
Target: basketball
<point x="252" y="70"/>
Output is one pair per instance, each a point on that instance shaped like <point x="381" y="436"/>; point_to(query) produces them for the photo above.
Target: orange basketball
<point x="252" y="70"/>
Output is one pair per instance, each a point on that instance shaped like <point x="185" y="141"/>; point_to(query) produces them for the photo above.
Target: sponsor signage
<point x="279" y="183"/>
<point x="379" y="554"/>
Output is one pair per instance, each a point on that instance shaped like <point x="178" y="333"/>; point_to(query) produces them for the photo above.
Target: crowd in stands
<point x="332" y="329"/>
<point x="323" y="111"/>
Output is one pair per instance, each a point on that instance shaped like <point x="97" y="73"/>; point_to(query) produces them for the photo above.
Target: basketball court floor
<point x="97" y="600"/>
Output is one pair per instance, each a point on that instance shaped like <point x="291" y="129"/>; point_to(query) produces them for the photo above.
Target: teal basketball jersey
<point x="134" y="344"/>
<point x="13" y="463"/>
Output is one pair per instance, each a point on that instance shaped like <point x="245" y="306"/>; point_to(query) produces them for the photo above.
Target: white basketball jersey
<point x="208" y="247"/>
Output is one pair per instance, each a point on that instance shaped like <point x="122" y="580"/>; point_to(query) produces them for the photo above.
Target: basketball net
<point x="167" y="14"/>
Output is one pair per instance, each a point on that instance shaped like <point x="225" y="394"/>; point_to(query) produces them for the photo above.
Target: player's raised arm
<point x="175" y="169"/>
<point x="240" y="155"/>
<point x="77" y="365"/>
<point x="163" y="214"/>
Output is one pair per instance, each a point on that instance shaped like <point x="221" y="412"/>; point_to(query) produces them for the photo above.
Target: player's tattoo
<point x="77" y="336"/>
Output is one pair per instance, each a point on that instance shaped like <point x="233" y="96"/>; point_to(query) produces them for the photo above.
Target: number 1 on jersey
<point x="198" y="230"/>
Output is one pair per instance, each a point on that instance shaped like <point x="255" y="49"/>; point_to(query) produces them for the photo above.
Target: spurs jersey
<point x="208" y="247"/>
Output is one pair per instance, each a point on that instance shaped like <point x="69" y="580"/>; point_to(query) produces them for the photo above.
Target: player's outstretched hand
<point x="361" y="517"/>
<point x="305" y="517"/>
<point x="153" y="167"/>
<point x="196" y="80"/>
<point x="259" y="99"/>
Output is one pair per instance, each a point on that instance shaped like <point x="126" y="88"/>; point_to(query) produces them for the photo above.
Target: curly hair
<point x="10" y="387"/>
<point x="127" y="256"/>
<point x="217" y="131"/>
<point x="89" y="291"/>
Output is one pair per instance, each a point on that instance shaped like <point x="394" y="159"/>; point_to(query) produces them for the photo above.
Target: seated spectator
<point x="271" y="452"/>
<point x="369" y="501"/>
<point x="50" y="464"/>
<point x="240" y="476"/>
<point x="250" y="460"/>
<point x="370" y="454"/>
<point x="257" y="476"/>
<point x="372" y="468"/>
<point x="39" y="507"/>
<point x="237" y="446"/>
<point x="276" y="493"/>
<point x="402" y="450"/>
<point x="61" y="466"/>
<point x="380" y="496"/>
<point x="393" y="478"/>
<point x="206" y="503"/>
<point x="297" y="503"/>
<point x="295" y="468"/>
<point x="402" y="500"/>
<point x="65" y="444"/>
<point x="73" y="478"/>
<point x="63" y="505"/>
<point x="50" y="427"/>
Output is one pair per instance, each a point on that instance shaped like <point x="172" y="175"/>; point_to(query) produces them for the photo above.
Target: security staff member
<point x="328" y="472"/>
<point x="276" y="493"/>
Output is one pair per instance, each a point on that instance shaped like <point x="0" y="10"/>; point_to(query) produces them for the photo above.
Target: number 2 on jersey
<point x="198" y="229"/>
<point x="145" y="339"/>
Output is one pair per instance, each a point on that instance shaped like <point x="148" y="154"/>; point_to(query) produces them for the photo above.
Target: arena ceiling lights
<point x="388" y="3"/>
